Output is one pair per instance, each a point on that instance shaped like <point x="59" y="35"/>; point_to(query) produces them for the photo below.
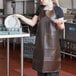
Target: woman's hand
<point x="59" y="22"/>
<point x="60" y="25"/>
<point x="18" y="15"/>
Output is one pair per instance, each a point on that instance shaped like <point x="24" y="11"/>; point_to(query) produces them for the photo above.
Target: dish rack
<point x="5" y="31"/>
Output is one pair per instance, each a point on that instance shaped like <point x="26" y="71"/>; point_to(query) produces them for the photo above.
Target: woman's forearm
<point x="28" y="21"/>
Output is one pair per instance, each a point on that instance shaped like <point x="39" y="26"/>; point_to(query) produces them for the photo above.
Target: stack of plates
<point x="13" y="24"/>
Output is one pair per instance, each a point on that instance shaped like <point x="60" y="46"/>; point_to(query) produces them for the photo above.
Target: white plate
<point x="61" y="20"/>
<point x="12" y="22"/>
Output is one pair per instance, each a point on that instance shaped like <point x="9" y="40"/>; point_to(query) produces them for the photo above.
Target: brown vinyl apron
<point x="46" y="56"/>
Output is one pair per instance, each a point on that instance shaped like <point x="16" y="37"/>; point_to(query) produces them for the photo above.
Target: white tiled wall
<point x="9" y="8"/>
<point x="65" y="3"/>
<point x="74" y="4"/>
<point x="1" y="4"/>
<point x="28" y="7"/>
<point x="68" y="3"/>
<point x="1" y="7"/>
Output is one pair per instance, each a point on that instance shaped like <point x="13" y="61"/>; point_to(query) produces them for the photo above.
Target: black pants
<point x="48" y="74"/>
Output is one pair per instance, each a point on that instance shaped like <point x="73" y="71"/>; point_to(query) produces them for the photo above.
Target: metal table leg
<point x="7" y="56"/>
<point x="22" y="56"/>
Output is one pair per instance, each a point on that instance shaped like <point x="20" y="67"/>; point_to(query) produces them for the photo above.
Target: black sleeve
<point x="39" y="9"/>
<point x="59" y="12"/>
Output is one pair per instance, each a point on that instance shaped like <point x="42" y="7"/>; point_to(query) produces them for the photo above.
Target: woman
<point x="46" y="57"/>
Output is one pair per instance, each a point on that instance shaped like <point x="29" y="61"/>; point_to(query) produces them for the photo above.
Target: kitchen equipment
<point x="13" y="25"/>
